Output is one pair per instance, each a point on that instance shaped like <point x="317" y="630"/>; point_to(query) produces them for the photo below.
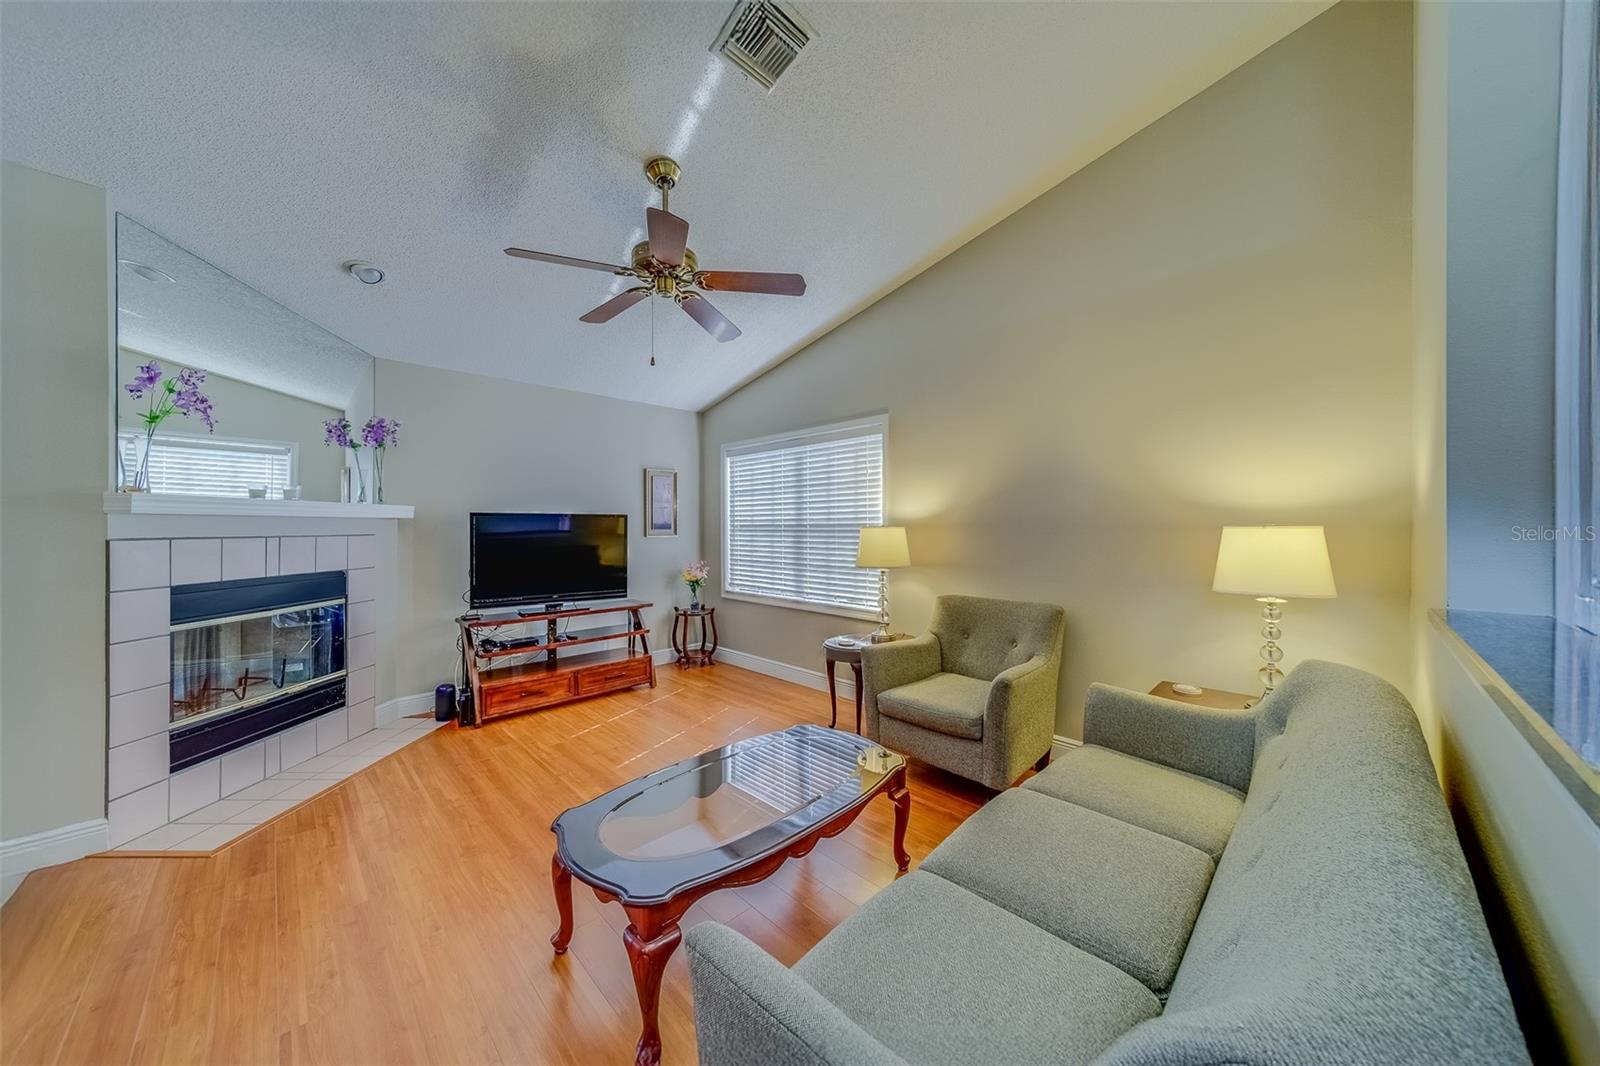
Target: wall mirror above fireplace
<point x="272" y="379"/>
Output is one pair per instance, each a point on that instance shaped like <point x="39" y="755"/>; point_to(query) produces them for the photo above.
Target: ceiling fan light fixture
<point x="669" y="269"/>
<point x="364" y="272"/>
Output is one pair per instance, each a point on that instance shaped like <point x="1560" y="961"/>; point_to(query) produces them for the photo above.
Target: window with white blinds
<point x="794" y="507"/>
<point x="211" y="466"/>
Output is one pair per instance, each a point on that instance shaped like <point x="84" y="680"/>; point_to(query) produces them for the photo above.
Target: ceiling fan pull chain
<point x="653" y="330"/>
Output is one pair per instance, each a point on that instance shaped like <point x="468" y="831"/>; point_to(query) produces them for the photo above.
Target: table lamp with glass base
<point x="880" y="548"/>
<point x="1273" y="564"/>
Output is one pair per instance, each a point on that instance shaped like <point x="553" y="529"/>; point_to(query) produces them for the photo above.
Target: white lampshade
<point x="1285" y="561"/>
<point x="882" y="547"/>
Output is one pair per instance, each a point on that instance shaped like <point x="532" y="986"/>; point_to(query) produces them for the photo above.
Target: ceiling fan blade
<point x="616" y="305"/>
<point x="669" y="235"/>
<point x="711" y="320"/>
<point x="753" y="281"/>
<point x="566" y="260"/>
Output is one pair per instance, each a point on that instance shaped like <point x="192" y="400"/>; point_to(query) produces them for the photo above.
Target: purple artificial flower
<point x="189" y="400"/>
<point x="380" y="432"/>
<point x="144" y="379"/>
<point x="336" y="432"/>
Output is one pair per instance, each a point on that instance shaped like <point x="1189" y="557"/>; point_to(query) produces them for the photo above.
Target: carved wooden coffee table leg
<point x="900" y="796"/>
<point x="651" y="938"/>
<point x="562" y="877"/>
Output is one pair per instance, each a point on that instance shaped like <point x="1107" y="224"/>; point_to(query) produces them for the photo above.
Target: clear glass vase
<point x="136" y="473"/>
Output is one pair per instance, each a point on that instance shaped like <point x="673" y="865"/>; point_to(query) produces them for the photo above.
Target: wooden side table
<point x="700" y="654"/>
<point x="845" y="648"/>
<point x="1219" y="698"/>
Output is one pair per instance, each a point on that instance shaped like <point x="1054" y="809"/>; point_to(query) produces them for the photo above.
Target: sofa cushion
<point x="938" y="974"/>
<point x="1342" y="924"/>
<point x="1196" y="810"/>
<point x="945" y="703"/>
<point x="1125" y="894"/>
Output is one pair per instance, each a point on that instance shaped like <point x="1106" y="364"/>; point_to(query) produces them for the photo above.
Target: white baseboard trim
<point x="21" y="856"/>
<point x="391" y="711"/>
<point x="799" y="675"/>
<point x="1061" y="745"/>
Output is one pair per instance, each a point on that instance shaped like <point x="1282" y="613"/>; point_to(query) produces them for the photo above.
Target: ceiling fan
<point x="669" y="269"/>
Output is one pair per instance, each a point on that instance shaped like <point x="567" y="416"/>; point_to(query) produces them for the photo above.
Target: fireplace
<point x="251" y="658"/>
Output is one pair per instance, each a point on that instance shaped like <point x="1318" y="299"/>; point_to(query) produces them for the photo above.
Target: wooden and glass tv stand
<point x="509" y="672"/>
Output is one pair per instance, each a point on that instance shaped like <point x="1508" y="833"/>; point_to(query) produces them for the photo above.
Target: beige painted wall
<point x="1208" y="325"/>
<point x="252" y="412"/>
<point x="1483" y="75"/>
<point x="54" y="345"/>
<point x="476" y="443"/>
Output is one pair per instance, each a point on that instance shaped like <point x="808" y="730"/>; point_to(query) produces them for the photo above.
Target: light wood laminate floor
<point x="405" y="915"/>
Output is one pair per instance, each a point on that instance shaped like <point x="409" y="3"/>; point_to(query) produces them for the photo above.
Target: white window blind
<point x="211" y="466"/>
<point x="794" y="509"/>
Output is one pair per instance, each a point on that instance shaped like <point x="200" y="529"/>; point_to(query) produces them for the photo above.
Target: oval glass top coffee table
<point x="724" y="818"/>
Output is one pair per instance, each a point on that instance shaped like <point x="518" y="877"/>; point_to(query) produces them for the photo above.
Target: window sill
<point x="1540" y="674"/>
<point x="803" y="605"/>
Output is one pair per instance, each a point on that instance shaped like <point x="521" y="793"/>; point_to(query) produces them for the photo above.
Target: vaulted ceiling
<point x="279" y="140"/>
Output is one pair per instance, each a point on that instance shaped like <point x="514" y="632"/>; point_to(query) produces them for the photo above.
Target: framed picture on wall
<point x="660" y="502"/>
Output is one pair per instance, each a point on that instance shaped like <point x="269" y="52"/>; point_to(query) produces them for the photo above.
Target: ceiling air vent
<point x="762" y="37"/>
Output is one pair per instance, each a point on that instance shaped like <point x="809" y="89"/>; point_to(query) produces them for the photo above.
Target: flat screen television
<point x="544" y="558"/>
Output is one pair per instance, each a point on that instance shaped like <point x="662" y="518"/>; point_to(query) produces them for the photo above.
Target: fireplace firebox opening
<point x="251" y="658"/>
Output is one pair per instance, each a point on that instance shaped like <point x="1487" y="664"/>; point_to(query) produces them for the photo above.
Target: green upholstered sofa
<point x="1281" y="885"/>
<point x="976" y="694"/>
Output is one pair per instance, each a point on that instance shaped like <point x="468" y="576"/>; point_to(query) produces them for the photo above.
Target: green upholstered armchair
<point x="976" y="694"/>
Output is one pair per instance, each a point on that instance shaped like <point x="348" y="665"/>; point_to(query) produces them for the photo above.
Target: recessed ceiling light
<point x="148" y="273"/>
<point x="363" y="272"/>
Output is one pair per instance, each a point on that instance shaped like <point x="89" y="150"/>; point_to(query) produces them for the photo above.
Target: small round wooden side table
<point x="694" y="655"/>
<point x="845" y="648"/>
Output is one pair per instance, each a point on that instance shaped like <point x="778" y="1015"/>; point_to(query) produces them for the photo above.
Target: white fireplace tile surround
<point x="140" y="564"/>
<point x="138" y="614"/>
<point x="203" y="806"/>
<point x="297" y="555"/>
<point x="333" y="553"/>
<point x="243" y="767"/>
<point x="196" y="561"/>
<point x="244" y="557"/>
<point x="139" y="664"/>
<point x="361" y="619"/>
<point x="138" y="714"/>
<point x="191" y="789"/>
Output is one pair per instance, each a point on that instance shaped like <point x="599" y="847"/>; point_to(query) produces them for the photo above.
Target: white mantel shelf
<point x="237" y="507"/>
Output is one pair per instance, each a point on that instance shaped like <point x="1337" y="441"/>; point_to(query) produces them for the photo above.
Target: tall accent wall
<point x="471" y="443"/>
<point x="1209" y="324"/>
<point x="54" y="455"/>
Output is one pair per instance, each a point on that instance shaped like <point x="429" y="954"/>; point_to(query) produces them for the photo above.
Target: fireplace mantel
<point x="232" y="506"/>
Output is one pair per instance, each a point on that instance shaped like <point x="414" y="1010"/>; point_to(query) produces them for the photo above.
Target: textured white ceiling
<point x="278" y="140"/>
<point x="204" y="318"/>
